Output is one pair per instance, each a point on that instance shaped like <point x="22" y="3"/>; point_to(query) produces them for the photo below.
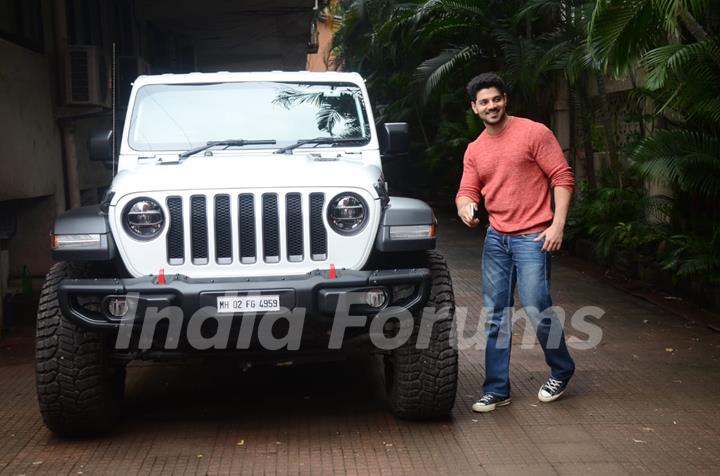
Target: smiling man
<point x="513" y="165"/>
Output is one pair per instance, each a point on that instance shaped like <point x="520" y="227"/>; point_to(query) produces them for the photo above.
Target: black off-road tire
<point x="79" y="390"/>
<point x="422" y="383"/>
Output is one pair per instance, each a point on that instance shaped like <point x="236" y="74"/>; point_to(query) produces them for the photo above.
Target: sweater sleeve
<point x="470" y="182"/>
<point x="550" y="158"/>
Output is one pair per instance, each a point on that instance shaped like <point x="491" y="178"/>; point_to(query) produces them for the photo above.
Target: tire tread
<point x="422" y="383"/>
<point x="79" y="391"/>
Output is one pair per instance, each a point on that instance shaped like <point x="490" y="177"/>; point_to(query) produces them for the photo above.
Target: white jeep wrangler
<point x="239" y="197"/>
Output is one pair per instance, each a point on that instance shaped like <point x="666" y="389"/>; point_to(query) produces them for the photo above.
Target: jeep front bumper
<point x="317" y="293"/>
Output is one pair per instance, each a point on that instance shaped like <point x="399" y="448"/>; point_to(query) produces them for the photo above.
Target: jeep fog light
<point x="375" y="298"/>
<point x="143" y="218"/>
<point x="76" y="242"/>
<point x="117" y="306"/>
<point x="412" y="232"/>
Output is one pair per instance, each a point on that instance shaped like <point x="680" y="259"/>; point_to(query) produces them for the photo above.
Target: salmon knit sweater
<point x="514" y="171"/>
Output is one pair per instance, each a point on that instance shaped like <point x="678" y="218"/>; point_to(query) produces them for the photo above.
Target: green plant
<point x="640" y="238"/>
<point x="695" y="257"/>
<point x="620" y="219"/>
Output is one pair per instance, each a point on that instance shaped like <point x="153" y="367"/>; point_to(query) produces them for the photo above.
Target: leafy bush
<point x="695" y="257"/>
<point x="615" y="219"/>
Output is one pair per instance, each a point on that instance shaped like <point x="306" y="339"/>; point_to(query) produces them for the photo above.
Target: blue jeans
<point x="508" y="260"/>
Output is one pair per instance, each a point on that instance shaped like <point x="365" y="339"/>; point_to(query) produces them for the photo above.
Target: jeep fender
<point x="402" y="211"/>
<point x="88" y="220"/>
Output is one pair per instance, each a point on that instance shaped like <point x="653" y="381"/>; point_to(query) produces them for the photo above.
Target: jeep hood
<point x="243" y="172"/>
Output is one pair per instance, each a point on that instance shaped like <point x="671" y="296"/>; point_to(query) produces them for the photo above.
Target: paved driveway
<point x="645" y="400"/>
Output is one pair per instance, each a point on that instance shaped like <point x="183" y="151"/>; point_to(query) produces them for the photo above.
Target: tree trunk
<point x="528" y="28"/>
<point x="586" y="132"/>
<point x="572" y="143"/>
<point x="641" y="107"/>
<point x="607" y="123"/>
<point x="691" y="24"/>
<point x="688" y="21"/>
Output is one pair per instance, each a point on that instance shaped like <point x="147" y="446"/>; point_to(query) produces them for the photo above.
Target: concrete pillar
<point x="70" y="184"/>
<point x="561" y="119"/>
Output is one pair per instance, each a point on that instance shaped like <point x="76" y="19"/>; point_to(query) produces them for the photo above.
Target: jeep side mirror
<point x="394" y="139"/>
<point x="100" y="145"/>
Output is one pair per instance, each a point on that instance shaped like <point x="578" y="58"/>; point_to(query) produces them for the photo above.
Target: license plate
<point x="233" y="304"/>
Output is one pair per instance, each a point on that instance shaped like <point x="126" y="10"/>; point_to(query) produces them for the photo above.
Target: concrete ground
<point x="646" y="399"/>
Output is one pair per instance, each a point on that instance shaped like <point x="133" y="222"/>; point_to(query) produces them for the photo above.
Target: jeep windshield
<point x="181" y="117"/>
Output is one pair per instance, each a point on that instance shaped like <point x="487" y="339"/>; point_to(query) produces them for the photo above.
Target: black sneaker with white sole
<point x="552" y="389"/>
<point x="489" y="402"/>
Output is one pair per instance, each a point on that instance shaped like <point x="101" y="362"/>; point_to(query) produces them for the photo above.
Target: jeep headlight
<point x="143" y="218"/>
<point x="347" y="213"/>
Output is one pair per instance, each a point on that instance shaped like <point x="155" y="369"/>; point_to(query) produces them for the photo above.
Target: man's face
<point x="490" y="105"/>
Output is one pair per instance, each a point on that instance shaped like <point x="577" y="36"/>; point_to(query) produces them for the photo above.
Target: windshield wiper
<point x="228" y="143"/>
<point x="320" y="140"/>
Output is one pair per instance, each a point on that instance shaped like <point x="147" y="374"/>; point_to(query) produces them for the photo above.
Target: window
<point x="183" y="116"/>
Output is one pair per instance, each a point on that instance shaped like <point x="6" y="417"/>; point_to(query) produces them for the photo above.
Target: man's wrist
<point x="463" y="202"/>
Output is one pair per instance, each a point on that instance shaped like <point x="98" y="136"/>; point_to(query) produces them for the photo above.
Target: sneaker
<point x="552" y="389"/>
<point x="488" y="403"/>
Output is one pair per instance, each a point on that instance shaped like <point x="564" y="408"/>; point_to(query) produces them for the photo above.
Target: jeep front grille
<point x="294" y="228"/>
<point x="271" y="228"/>
<point x="175" y="240"/>
<point x="199" y="229"/>
<point x="223" y="230"/>
<point x="256" y="239"/>
<point x="247" y="228"/>
<point x="318" y="233"/>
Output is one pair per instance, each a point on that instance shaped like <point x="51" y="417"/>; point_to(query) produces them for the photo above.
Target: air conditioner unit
<point x="87" y="77"/>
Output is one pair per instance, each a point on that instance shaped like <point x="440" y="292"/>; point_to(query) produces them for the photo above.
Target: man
<point x="513" y="164"/>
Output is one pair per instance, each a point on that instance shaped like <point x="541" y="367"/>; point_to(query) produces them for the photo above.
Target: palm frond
<point x="290" y="97"/>
<point x="677" y="58"/>
<point x="621" y="32"/>
<point x="689" y="159"/>
<point x="402" y="17"/>
<point x="431" y="72"/>
<point x="533" y="8"/>
<point x="453" y="26"/>
<point x="660" y="61"/>
<point x="670" y="10"/>
<point x="476" y="8"/>
<point x="427" y="9"/>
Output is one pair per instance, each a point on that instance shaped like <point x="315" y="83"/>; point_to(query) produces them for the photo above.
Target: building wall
<point x="34" y="185"/>
<point x="321" y="61"/>
<point x="31" y="244"/>
<point x="31" y="172"/>
<point x="31" y="147"/>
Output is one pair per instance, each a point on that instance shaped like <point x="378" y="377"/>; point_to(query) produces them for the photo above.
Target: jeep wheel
<point x="78" y="389"/>
<point x="421" y="383"/>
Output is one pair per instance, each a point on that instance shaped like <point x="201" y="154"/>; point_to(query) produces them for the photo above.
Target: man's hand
<point x="553" y="237"/>
<point x="467" y="214"/>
